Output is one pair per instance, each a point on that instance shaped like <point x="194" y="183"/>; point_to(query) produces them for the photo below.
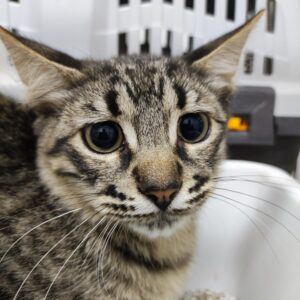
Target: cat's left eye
<point x="103" y="137"/>
<point x="193" y="127"/>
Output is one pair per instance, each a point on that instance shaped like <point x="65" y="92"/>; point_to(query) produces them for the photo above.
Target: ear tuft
<point x="45" y="79"/>
<point x="222" y="55"/>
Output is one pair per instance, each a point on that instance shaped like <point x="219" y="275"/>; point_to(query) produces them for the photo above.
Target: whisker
<point x="107" y="226"/>
<point x="73" y="252"/>
<point x="43" y="212"/>
<point x="278" y="186"/>
<point x="97" y="239"/>
<point x="101" y="249"/>
<point x="252" y="175"/>
<point x="90" y="250"/>
<point x="29" y="210"/>
<point x="261" y="212"/>
<point x="47" y="253"/>
<point x="110" y="234"/>
<point x="109" y="275"/>
<point x="261" y="232"/>
<point x="35" y="227"/>
<point x="261" y="199"/>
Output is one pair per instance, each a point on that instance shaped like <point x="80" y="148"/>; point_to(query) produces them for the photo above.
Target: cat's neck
<point x="161" y="253"/>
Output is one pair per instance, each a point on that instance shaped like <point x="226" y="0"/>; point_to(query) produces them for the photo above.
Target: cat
<point x="103" y="169"/>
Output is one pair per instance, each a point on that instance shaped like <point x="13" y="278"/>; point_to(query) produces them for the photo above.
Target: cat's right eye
<point x="103" y="137"/>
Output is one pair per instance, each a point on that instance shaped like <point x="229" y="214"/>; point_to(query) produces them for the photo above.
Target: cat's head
<point x="134" y="139"/>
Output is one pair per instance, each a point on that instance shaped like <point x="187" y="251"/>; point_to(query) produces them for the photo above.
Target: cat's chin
<point x="159" y="228"/>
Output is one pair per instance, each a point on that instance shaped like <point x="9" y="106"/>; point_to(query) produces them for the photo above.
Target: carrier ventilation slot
<point x="248" y="63"/>
<point x="268" y="65"/>
<point x="145" y="46"/>
<point x="17" y="1"/>
<point x="251" y="6"/>
<point x="168" y="1"/>
<point x="210" y="7"/>
<point x="167" y="49"/>
<point x="123" y="2"/>
<point x="190" y="44"/>
<point x="189" y="4"/>
<point x="146" y="1"/>
<point x="271" y="15"/>
<point x="231" y="10"/>
<point x="123" y="49"/>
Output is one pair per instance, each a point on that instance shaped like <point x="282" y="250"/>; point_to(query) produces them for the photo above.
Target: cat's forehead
<point x="146" y="83"/>
<point x="141" y="77"/>
<point x="143" y="91"/>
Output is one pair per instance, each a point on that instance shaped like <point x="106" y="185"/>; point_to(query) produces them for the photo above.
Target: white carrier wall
<point x="105" y="28"/>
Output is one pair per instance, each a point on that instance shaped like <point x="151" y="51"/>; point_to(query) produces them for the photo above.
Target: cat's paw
<point x="206" y="295"/>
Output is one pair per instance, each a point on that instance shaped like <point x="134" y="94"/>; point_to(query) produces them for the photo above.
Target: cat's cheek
<point x="144" y="206"/>
<point x="56" y="185"/>
<point x="185" y="200"/>
<point x="206" y="155"/>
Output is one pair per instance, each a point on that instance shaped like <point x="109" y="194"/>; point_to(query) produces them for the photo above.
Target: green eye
<point x="104" y="137"/>
<point x="193" y="128"/>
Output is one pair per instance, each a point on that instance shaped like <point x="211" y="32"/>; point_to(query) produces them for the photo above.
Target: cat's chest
<point x="54" y="252"/>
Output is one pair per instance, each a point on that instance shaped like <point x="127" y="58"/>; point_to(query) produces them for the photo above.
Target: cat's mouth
<point x="161" y="221"/>
<point x="165" y="223"/>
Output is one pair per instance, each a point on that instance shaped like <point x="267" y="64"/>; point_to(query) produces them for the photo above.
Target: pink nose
<point x="162" y="198"/>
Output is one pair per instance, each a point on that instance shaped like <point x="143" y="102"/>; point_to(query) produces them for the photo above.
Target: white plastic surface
<point x="251" y="253"/>
<point x="90" y="28"/>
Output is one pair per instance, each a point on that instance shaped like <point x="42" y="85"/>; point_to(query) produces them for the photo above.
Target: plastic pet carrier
<point x="266" y="114"/>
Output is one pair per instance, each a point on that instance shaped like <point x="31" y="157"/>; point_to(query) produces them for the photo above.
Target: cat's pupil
<point x="104" y="135"/>
<point x="192" y="127"/>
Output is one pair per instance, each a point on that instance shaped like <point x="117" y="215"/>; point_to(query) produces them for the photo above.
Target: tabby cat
<point x="103" y="169"/>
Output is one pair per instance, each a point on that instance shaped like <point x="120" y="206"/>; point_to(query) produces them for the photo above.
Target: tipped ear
<point x="46" y="80"/>
<point x="222" y="55"/>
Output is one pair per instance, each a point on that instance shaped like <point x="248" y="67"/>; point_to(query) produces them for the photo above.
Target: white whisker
<point x="46" y="254"/>
<point x="100" y="248"/>
<point x="255" y="225"/>
<point x="261" y="212"/>
<point x="275" y="185"/>
<point x="66" y="261"/>
<point x="35" y="227"/>
<point x="109" y="235"/>
<point x="260" y="199"/>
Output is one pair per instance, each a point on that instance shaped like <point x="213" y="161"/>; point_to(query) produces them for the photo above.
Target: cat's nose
<point x="161" y="197"/>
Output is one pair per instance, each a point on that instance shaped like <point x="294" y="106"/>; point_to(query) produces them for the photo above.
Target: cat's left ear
<point x="222" y="55"/>
<point x="47" y="80"/>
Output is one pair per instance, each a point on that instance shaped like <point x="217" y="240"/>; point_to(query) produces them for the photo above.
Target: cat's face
<point x="140" y="142"/>
<point x="134" y="140"/>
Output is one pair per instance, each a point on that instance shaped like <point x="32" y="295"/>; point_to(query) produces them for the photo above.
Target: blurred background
<point x="265" y="123"/>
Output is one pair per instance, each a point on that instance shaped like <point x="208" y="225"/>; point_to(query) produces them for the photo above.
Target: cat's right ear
<point x="39" y="68"/>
